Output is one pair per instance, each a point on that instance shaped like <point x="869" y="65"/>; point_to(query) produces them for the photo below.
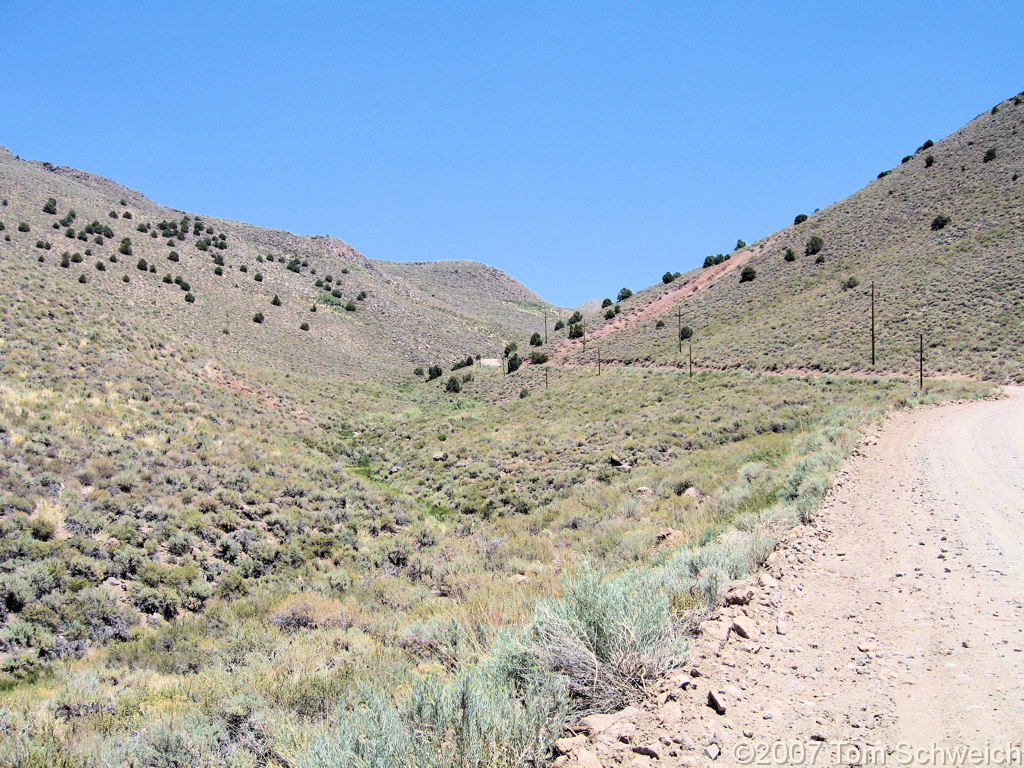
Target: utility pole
<point x="679" y="330"/>
<point x="872" y="323"/>
<point x="920" y="362"/>
<point x="546" y="325"/>
<point x="545" y="379"/>
<point x="691" y="360"/>
<point x="584" y="324"/>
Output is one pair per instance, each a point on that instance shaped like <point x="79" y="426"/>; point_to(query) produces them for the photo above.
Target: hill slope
<point x="958" y="284"/>
<point x="402" y="314"/>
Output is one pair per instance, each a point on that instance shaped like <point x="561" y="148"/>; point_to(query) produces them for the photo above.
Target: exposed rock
<point x="440" y="456"/>
<point x="587" y="759"/>
<point x="650" y="750"/>
<point x="712" y="751"/>
<point x="595" y="724"/>
<point x="643" y="490"/>
<point x="670" y="713"/>
<point x="615" y="461"/>
<point x="739" y="595"/>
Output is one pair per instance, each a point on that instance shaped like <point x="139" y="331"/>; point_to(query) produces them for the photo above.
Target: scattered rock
<point x="716" y="703"/>
<point x="739" y="595"/>
<point x="440" y="456"/>
<point x="745" y="627"/>
<point x="643" y="490"/>
<point x="587" y="759"/>
<point x="615" y="461"/>
<point x="712" y="751"/>
<point x="569" y="745"/>
<point x="595" y="724"/>
<point x="649" y="750"/>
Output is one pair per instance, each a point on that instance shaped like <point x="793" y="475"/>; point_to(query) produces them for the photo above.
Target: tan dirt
<point x="888" y="630"/>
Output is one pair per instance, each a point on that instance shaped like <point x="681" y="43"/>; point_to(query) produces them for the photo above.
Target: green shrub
<point x="559" y="325"/>
<point x="350" y="306"/>
<point x="258" y="277"/>
<point x="606" y="303"/>
<point x="940" y="222"/>
<point x="82" y="278"/>
<point x="190" y="298"/>
<point x="453" y="385"/>
<point x="575" y="317"/>
<point x="929" y="161"/>
<point x="800" y="218"/>
<point x="686" y="332"/>
<point x="258" y="317"/>
<point x="667" y="278"/>
<point x="609" y="314"/>
<point x="417" y="371"/>
<point x="514" y="362"/>
<point x="125" y="279"/>
<point x="790" y="255"/>
<point x="820" y="259"/>
<point x="100" y="266"/>
<point x="624" y="294"/>
<point x="276" y="301"/>
<point x="576" y="331"/>
<point x="434" y="372"/>
<point x="23" y="227"/>
<point x="749" y="274"/>
<point x="361" y="295"/>
<point x="990" y="155"/>
<point x="659" y="324"/>
<point x="125" y="248"/>
<point x="740" y="244"/>
<point x="141" y="265"/>
<point x="50" y="206"/>
<point x="814" y="245"/>
<point x="524" y="392"/>
<point x="536" y="340"/>
<point x="849" y="283"/>
<point x="304" y="327"/>
<point x="173" y="256"/>
<point x="538" y="358"/>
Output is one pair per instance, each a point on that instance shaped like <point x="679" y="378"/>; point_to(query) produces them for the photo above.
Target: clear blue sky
<point x="579" y="146"/>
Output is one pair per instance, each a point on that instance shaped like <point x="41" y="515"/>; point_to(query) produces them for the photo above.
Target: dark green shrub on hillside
<point x="453" y="385"/>
<point x="112" y="214"/>
<point x="883" y="174"/>
<point x="82" y="278"/>
<point x="576" y="331"/>
<point x="616" y="309"/>
<point x="559" y="325"/>
<point x="190" y="298"/>
<point x="849" y="283"/>
<point x="538" y="358"/>
<point x="929" y="161"/>
<point x="350" y="306"/>
<point x="686" y="332"/>
<point x="243" y="268"/>
<point x="50" y="206"/>
<point x="575" y="317"/>
<point x="125" y="248"/>
<point x="126" y="215"/>
<point x="417" y="371"/>
<point x="749" y="274"/>
<point x="434" y="372"/>
<point x="218" y="271"/>
<point x="906" y="159"/>
<point x="258" y="317"/>
<point x="361" y="295"/>
<point x="606" y="303"/>
<point x="667" y="278"/>
<point x="740" y="244"/>
<point x="509" y="349"/>
<point x="23" y="227"/>
<point x="927" y="145"/>
<point x="76" y="258"/>
<point x="800" y="218"/>
<point x="65" y="261"/>
<point x="167" y="278"/>
<point x="276" y="301"/>
<point x="990" y="155"/>
<point x="814" y="245"/>
<point x="524" y="393"/>
<point x="125" y="279"/>
<point x="820" y="259"/>
<point x="514" y="362"/>
<point x="304" y="326"/>
<point x="790" y="255"/>
<point x="258" y="277"/>
<point x="624" y="294"/>
<point x="609" y="313"/>
<point x="69" y="233"/>
<point x="536" y="340"/>
<point x="294" y="265"/>
<point x="940" y="222"/>
<point x="101" y="267"/>
<point x="336" y="293"/>
<point x="659" y="324"/>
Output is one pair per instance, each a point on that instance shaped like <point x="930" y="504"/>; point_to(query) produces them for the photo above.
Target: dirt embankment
<point x="891" y="629"/>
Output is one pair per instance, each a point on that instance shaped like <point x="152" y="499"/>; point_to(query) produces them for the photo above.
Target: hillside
<point x="401" y="315"/>
<point x="956" y="281"/>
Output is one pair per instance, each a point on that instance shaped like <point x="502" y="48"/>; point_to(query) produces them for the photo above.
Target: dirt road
<point x="891" y="630"/>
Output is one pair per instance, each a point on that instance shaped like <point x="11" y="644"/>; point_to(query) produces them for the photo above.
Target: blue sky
<point x="579" y="146"/>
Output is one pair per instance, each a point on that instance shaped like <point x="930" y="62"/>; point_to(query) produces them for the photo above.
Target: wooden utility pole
<point x="691" y="359"/>
<point x="545" y="379"/>
<point x="920" y="361"/>
<point x="679" y="330"/>
<point x="546" y="325"/>
<point x="872" y="324"/>
<point x="584" y="324"/>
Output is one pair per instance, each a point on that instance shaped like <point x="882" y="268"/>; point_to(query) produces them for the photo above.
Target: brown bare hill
<point x="206" y="279"/>
<point x="957" y="279"/>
